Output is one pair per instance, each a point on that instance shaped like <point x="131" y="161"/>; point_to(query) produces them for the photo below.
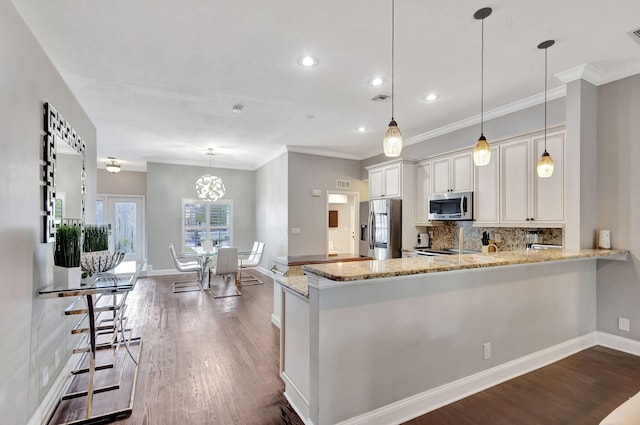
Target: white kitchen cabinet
<point x="386" y="181"/>
<point x="396" y="179"/>
<point x="422" y="190"/>
<point x="525" y="198"/>
<point x="486" y="194"/>
<point x="549" y="192"/>
<point x="452" y="173"/>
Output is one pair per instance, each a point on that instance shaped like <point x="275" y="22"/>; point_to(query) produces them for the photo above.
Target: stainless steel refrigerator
<point x="385" y="228"/>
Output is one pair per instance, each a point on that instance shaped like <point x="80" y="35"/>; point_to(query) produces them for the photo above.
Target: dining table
<point x="207" y="254"/>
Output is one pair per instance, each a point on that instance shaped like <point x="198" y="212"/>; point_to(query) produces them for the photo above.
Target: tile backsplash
<point x="511" y="238"/>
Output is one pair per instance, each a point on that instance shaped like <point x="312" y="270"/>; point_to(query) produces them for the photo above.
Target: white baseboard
<point x="419" y="404"/>
<point x="275" y="321"/>
<point x="59" y="386"/>
<point x="265" y="271"/>
<point x="619" y="343"/>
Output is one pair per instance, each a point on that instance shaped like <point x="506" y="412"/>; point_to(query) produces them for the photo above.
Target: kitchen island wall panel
<point x="385" y="340"/>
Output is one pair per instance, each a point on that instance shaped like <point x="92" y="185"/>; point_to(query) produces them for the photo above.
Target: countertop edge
<point x="337" y="273"/>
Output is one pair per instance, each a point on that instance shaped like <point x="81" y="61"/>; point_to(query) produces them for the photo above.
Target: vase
<point x="69" y="276"/>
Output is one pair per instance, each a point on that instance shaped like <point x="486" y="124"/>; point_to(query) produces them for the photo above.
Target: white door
<point x="125" y="217"/>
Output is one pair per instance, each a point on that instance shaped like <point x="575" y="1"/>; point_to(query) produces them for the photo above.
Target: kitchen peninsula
<point x="290" y="266"/>
<point x="385" y="341"/>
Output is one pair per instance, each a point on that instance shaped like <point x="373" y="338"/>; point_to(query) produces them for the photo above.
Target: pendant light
<point x="210" y="187"/>
<point x="482" y="150"/>
<point x="545" y="165"/>
<point x="392" y="142"/>
<point x="112" y="165"/>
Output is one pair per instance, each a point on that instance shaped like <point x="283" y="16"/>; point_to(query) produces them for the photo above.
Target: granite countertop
<point x="296" y="283"/>
<point x="298" y="260"/>
<point x="375" y="269"/>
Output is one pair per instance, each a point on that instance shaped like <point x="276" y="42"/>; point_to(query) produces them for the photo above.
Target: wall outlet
<point x="296" y="230"/>
<point x="623" y="324"/>
<point x="487" y="350"/>
<point x="497" y="237"/>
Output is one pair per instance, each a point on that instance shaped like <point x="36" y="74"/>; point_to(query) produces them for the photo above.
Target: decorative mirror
<point x="64" y="175"/>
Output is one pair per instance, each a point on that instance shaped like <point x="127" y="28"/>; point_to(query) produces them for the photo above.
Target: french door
<point x="125" y="217"/>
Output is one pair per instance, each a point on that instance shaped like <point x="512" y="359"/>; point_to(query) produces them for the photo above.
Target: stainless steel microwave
<point x="451" y="206"/>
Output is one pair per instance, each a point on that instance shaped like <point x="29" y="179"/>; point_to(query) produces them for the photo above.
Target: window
<point x="206" y="220"/>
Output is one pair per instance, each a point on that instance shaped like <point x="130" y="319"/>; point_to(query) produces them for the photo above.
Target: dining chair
<point x="186" y="265"/>
<point x="252" y="261"/>
<point x="227" y="265"/>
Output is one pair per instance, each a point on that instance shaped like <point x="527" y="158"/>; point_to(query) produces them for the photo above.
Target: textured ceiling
<point x="159" y="78"/>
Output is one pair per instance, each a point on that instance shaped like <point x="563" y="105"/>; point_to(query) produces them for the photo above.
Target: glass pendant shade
<point x="210" y="188"/>
<point x="481" y="152"/>
<point x="545" y="165"/>
<point x="392" y="142"/>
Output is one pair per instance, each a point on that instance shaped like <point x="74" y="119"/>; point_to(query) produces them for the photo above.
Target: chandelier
<point x="210" y="187"/>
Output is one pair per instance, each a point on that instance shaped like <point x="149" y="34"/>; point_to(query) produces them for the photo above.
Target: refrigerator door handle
<point x="371" y="229"/>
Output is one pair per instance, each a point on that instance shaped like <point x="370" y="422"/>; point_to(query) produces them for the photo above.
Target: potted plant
<point x="96" y="238"/>
<point x="96" y="257"/>
<point x="66" y="256"/>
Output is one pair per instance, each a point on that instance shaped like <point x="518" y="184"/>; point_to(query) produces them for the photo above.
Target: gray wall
<point x="619" y="202"/>
<point x="168" y="184"/>
<point x="498" y="128"/>
<point x="307" y="172"/>
<point x="32" y="330"/>
<point x="271" y="182"/>
<point x="122" y="183"/>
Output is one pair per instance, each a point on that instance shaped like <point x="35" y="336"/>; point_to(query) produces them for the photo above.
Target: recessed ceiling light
<point x="362" y="129"/>
<point x="431" y="97"/>
<point x="307" y="61"/>
<point x="376" y="81"/>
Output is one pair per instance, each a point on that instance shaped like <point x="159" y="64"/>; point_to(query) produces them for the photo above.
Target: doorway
<point x="343" y="212"/>
<point x="125" y="217"/>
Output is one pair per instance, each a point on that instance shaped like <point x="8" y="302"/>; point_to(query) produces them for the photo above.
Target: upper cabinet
<point x="525" y="198"/>
<point x="396" y="179"/>
<point x="486" y="194"/>
<point x="452" y="173"/>
<point x="549" y="193"/>
<point x="385" y="181"/>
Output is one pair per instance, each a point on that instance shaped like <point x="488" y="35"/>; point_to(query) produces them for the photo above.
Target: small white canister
<point x="604" y="239"/>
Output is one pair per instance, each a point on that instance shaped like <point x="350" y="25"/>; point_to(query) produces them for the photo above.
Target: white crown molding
<point x="507" y="109"/>
<point x="619" y="74"/>
<point x="322" y="152"/>
<point x="276" y="153"/>
<point x="585" y="72"/>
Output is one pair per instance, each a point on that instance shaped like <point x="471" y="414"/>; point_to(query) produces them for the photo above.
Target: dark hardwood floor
<point x="215" y="361"/>
<point x="205" y="360"/>
<point x="580" y="389"/>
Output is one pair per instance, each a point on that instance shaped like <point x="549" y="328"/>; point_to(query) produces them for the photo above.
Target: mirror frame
<point x="57" y="130"/>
